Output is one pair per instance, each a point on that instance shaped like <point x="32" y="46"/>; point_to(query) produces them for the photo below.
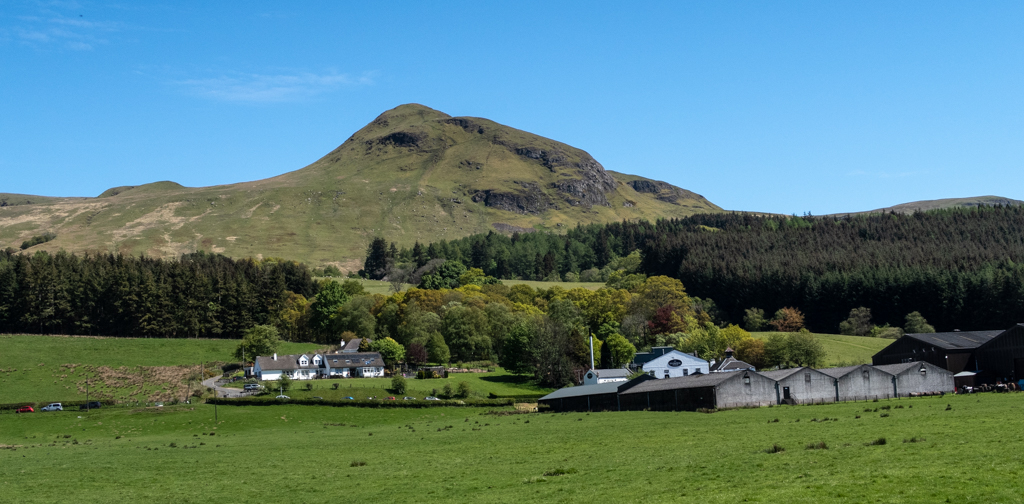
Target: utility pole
<point x="87" y="393"/>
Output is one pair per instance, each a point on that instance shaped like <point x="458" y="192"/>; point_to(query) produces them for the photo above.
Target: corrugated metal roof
<point x="682" y="382"/>
<point x="583" y="390"/>
<point x="839" y="372"/>
<point x="782" y="374"/>
<point x="958" y="340"/>
<point x="612" y="373"/>
<point x="895" y="369"/>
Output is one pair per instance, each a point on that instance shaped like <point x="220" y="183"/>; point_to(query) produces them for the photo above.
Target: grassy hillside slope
<point x="412" y="174"/>
<point x="54" y="368"/>
<point x="844" y="350"/>
<point x="274" y="453"/>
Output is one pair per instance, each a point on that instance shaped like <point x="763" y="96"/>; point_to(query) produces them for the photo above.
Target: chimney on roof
<point x="275" y="356"/>
<point x="728" y="352"/>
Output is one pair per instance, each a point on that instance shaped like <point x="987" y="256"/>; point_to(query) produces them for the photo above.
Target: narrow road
<point x="221" y="391"/>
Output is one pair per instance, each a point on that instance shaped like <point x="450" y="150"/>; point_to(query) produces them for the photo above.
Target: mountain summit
<point x="413" y="173"/>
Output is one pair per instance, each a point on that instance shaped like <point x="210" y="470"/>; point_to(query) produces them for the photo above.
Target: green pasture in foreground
<point x="30" y="365"/>
<point x="970" y="450"/>
<point x="844" y="350"/>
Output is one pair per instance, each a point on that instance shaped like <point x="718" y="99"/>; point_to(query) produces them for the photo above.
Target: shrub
<point x="335" y="385"/>
<point x="775" y="448"/>
<point x="560" y="472"/>
<point x="463" y="390"/>
<point x="357" y="463"/>
<point x="447" y="392"/>
<point x="398" y="385"/>
<point x="878" y="442"/>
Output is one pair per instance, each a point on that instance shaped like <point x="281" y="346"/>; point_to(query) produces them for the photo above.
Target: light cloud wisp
<point x="259" y="88"/>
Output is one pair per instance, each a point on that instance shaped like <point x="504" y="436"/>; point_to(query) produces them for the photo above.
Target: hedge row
<point x="521" y="398"/>
<point x="361" y="403"/>
<point x="64" y="404"/>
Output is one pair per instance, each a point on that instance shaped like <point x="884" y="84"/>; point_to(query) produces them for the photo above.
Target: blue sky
<point x="788" y="107"/>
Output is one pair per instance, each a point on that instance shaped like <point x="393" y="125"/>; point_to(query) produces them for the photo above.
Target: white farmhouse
<point x="673" y="364"/>
<point x="351" y="365"/>
<point x="296" y="367"/>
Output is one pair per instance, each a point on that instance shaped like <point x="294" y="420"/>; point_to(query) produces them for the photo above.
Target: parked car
<point x="91" y="405"/>
<point x="282" y="396"/>
<point x="392" y="398"/>
<point x="52" y="407"/>
<point x="350" y="398"/>
<point x="431" y="398"/>
<point x="252" y="386"/>
<point x="407" y="398"/>
<point x="26" y="409"/>
<point x="317" y="397"/>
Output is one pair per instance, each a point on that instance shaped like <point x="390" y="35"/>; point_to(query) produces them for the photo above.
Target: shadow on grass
<point x="524" y="381"/>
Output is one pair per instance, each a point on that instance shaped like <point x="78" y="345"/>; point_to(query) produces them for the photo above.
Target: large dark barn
<point x="994" y="355"/>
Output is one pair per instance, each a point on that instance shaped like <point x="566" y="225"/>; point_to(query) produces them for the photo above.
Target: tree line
<point x="959" y="268"/>
<point x="200" y="295"/>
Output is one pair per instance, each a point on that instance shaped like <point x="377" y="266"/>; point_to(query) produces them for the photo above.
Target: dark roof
<point x="284" y="362"/>
<point x="682" y="382"/>
<point x="730" y="364"/>
<point x="895" y="369"/>
<point x="352" y="345"/>
<point x="583" y="390"/>
<point x="782" y="374"/>
<point x="958" y="340"/>
<point x="641" y="358"/>
<point x="354" y="359"/>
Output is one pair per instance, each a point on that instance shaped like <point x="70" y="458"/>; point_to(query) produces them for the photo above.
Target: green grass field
<point x="844" y="350"/>
<point x="33" y="368"/>
<point x="499" y="382"/>
<point x="971" y="450"/>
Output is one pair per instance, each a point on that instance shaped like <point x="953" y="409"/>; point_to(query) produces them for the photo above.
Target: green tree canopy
<point x="261" y="340"/>
<point x="324" y="307"/>
<point x="916" y="324"/>
<point x="858" y="323"/>
<point x="390" y="350"/>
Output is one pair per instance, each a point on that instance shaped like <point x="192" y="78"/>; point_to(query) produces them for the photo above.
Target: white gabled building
<point x="352" y="365"/>
<point x="598" y="376"/>
<point x="673" y="364"/>
<point x="296" y="367"/>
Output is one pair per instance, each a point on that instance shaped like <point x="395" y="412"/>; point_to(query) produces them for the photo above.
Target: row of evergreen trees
<point x="198" y="296"/>
<point x="960" y="268"/>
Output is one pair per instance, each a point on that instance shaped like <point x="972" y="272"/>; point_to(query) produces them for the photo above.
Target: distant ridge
<point x="413" y="173"/>
<point x="925" y="205"/>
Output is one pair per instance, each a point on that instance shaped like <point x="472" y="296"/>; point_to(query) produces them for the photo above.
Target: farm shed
<point x="1002" y="357"/>
<point x="953" y="351"/>
<point x="690" y="393"/>
<point x="598" y="397"/>
<point x="862" y="382"/>
<point x="802" y="385"/>
<point x="919" y="378"/>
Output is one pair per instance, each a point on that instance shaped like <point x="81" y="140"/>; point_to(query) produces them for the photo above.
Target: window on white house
<point x="652" y="374"/>
<point x="686" y="372"/>
<point x="666" y="373"/>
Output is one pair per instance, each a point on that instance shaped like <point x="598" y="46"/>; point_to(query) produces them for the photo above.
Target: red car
<point x="392" y="398"/>
<point x="26" y="409"/>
